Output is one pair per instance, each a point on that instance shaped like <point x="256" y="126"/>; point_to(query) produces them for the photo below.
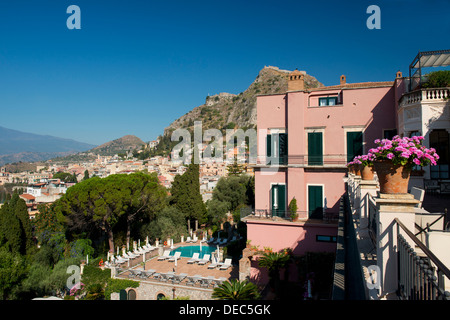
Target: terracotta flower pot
<point x="367" y="173"/>
<point x="392" y="178"/>
<point x="358" y="168"/>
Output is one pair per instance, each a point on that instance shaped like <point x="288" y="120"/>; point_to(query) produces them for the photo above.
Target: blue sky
<point x="135" y="66"/>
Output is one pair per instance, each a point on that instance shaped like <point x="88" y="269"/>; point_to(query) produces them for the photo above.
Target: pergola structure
<point x="426" y="59"/>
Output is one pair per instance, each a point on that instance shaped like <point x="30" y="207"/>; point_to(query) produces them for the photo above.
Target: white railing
<point x="424" y="95"/>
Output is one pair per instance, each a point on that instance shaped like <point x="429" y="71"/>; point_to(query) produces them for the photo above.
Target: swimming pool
<point x="188" y="251"/>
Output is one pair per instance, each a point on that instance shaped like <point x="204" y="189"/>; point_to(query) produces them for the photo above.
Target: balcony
<point x="320" y="216"/>
<point x="389" y="247"/>
<point x="432" y="95"/>
<point x="330" y="161"/>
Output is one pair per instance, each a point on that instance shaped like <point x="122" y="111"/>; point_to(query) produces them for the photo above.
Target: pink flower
<point x="416" y="161"/>
<point x="406" y="154"/>
<point x="390" y="155"/>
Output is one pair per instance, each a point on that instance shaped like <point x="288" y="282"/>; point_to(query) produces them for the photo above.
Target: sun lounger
<point x="176" y="256"/>
<point x="194" y="258"/>
<point x="188" y="239"/>
<point x="123" y="259"/>
<point x="167" y="276"/>
<point x="225" y="265"/>
<point x="211" y="240"/>
<point x="205" y="259"/>
<point x="206" y="281"/>
<point x="134" y="273"/>
<point x="147" y="273"/>
<point x="213" y="264"/>
<point x="131" y="255"/>
<point x="164" y="256"/>
<point x="219" y="281"/>
<point x="177" y="278"/>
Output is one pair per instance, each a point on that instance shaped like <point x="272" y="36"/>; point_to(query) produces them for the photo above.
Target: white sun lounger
<point x="194" y="258"/>
<point x="176" y="256"/>
<point x="225" y="265"/>
<point x="213" y="264"/>
<point x="205" y="259"/>
<point x="164" y="256"/>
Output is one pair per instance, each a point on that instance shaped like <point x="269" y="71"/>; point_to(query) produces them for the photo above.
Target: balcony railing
<point x="424" y="95"/>
<point x="419" y="278"/>
<point x="287" y="215"/>
<point x="304" y="160"/>
<point x="419" y="274"/>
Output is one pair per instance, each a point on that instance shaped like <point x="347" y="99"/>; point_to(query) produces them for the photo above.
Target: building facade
<point x="305" y="139"/>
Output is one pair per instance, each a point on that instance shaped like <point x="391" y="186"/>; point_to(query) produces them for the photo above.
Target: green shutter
<point x="354" y="145"/>
<point x="278" y="194"/>
<point x="122" y="295"/>
<point x="315" y="153"/>
<point x="269" y="145"/>
<point x="283" y="148"/>
<point x="315" y="202"/>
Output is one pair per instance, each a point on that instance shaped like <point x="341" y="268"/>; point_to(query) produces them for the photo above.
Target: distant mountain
<point x="226" y="110"/>
<point x="121" y="145"/>
<point x="16" y="146"/>
<point x="117" y="146"/>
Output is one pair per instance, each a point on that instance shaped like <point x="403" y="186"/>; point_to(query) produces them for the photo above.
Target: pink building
<point x="305" y="139"/>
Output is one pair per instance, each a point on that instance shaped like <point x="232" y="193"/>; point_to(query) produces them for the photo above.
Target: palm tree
<point x="274" y="261"/>
<point x="236" y="290"/>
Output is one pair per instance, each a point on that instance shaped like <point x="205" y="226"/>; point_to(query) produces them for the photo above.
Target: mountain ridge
<point x="227" y="110"/>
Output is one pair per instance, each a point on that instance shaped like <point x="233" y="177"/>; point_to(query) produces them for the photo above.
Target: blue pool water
<point x="188" y="251"/>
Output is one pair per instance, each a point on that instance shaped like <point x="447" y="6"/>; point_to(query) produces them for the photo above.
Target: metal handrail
<point x="424" y="249"/>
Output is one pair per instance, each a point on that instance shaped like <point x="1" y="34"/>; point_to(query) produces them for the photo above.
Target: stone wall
<point x="149" y="290"/>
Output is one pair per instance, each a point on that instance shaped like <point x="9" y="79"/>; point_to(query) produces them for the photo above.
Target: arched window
<point x="131" y="294"/>
<point x="160" y="296"/>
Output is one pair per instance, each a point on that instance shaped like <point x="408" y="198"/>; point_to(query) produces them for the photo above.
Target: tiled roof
<point x="27" y="196"/>
<point x="358" y="85"/>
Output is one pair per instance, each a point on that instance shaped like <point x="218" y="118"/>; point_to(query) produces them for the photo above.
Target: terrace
<point x="390" y="247"/>
<point x="174" y="279"/>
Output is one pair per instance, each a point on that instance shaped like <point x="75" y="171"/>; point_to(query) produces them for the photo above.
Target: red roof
<point x="27" y="196"/>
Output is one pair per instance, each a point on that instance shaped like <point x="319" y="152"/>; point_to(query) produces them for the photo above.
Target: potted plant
<point x="394" y="159"/>
<point x="366" y="165"/>
<point x="293" y="209"/>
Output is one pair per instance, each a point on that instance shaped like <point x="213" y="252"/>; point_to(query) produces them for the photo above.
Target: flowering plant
<point x="404" y="151"/>
<point x="365" y="159"/>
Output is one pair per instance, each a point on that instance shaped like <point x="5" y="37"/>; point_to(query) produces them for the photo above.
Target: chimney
<point x="399" y="74"/>
<point x="343" y="81"/>
<point x="296" y="81"/>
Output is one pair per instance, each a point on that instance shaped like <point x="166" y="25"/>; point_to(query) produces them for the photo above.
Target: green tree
<point x="146" y="197"/>
<point x="168" y="223"/>
<point x="437" y="79"/>
<point x="185" y="194"/>
<point x="99" y="204"/>
<point x="65" y="177"/>
<point x="274" y="261"/>
<point x="86" y="175"/>
<point x="236" y="290"/>
<point x="235" y="169"/>
<point x="13" y="270"/>
<point x="15" y="225"/>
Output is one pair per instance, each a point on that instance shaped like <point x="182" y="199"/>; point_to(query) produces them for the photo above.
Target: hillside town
<point x="39" y="186"/>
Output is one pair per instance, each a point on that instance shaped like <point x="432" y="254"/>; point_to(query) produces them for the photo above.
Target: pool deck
<point x="191" y="269"/>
